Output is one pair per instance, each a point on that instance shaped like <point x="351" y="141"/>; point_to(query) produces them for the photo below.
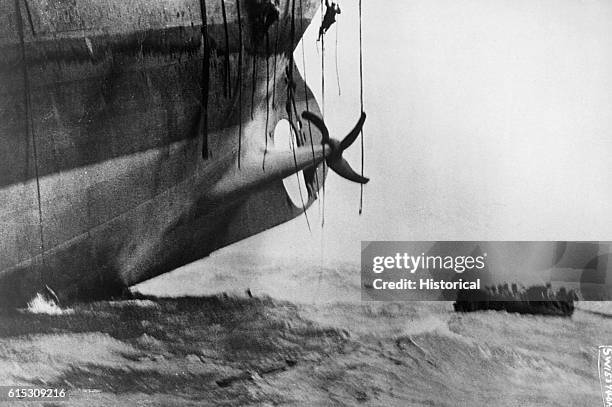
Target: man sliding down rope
<point x="329" y="18"/>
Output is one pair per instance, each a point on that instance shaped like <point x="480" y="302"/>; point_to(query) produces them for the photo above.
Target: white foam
<point x="42" y="305"/>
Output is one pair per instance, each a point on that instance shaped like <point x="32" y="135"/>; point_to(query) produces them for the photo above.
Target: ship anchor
<point x="334" y="159"/>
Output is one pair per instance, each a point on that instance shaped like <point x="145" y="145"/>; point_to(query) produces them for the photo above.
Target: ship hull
<point x="116" y="121"/>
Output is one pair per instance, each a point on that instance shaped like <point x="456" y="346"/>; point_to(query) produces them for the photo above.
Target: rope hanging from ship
<point x="29" y="131"/>
<point x="316" y="173"/>
<point x="227" y="68"/>
<point x="253" y="80"/>
<point x="336" y="55"/>
<point x="275" y="65"/>
<point x="361" y="103"/>
<point x="292" y="112"/>
<point x="28" y="127"/>
<point x="29" y="14"/>
<point x="328" y="18"/>
<point x="267" y="88"/>
<point x="205" y="78"/>
<point x="240" y="53"/>
<point x="323" y="114"/>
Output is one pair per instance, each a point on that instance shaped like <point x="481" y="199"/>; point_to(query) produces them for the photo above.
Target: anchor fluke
<point x="334" y="159"/>
<point x="343" y="168"/>
<point x="352" y="136"/>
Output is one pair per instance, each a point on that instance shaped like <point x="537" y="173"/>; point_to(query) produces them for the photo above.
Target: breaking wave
<point x="42" y="305"/>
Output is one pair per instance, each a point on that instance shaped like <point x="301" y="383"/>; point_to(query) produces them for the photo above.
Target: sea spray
<point x="43" y="305"/>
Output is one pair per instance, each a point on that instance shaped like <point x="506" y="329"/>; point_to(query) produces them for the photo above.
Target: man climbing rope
<point x="330" y="17"/>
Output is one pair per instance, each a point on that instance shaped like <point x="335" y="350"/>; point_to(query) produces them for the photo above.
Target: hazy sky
<point x="487" y="120"/>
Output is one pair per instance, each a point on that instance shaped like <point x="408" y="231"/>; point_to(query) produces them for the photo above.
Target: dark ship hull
<point x="122" y="129"/>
